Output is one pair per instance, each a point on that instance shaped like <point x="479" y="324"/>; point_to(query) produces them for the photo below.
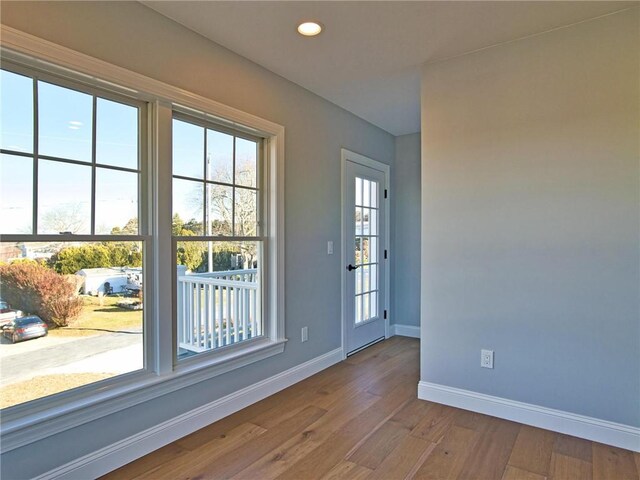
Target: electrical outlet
<point x="305" y="334"/>
<point x="486" y="358"/>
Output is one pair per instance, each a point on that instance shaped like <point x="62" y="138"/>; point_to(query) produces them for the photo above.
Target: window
<point x="71" y="220"/>
<point x="216" y="225"/>
<point x="87" y="172"/>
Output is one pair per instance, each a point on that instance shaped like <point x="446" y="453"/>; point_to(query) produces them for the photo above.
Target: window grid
<point x="205" y="182"/>
<point x="218" y="307"/>
<point x="36" y="157"/>
<point x="367" y="250"/>
<point x="35" y="235"/>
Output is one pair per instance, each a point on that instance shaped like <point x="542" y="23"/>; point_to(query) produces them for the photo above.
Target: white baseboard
<point x="610" y="433"/>
<point x="404" y="330"/>
<point x="120" y="453"/>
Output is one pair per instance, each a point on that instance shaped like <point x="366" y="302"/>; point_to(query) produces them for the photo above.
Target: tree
<point x="177" y="225"/>
<point x="124" y="254"/>
<point x="242" y="209"/>
<point x="38" y="290"/>
<point x="67" y="218"/>
<point x="194" y="254"/>
<point x="130" y="228"/>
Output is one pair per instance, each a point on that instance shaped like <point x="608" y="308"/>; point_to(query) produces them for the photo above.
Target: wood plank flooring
<point x="360" y="419"/>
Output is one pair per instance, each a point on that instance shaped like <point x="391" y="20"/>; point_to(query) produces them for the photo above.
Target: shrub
<point x="70" y="260"/>
<point x="38" y="290"/>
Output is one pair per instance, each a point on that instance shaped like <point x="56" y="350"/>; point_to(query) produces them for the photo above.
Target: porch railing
<point x="217" y="309"/>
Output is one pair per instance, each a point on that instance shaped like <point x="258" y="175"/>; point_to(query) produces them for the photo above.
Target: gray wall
<point x="530" y="225"/>
<point x="405" y="279"/>
<point x="135" y="37"/>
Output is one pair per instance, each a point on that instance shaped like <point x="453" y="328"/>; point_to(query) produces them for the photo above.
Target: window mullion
<point x="93" y="165"/>
<point x="34" y="221"/>
<point x="205" y="203"/>
<point x="233" y="190"/>
<point x="164" y="271"/>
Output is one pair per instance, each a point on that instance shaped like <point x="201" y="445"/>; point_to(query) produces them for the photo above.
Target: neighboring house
<point x="119" y="278"/>
<point x="9" y="251"/>
<point x="38" y="250"/>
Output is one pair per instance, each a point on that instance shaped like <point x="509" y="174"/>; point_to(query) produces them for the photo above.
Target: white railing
<point x="217" y="309"/>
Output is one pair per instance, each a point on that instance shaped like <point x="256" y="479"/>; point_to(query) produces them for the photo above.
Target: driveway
<point x="109" y="353"/>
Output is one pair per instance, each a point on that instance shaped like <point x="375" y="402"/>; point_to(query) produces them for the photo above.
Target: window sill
<point x="22" y="426"/>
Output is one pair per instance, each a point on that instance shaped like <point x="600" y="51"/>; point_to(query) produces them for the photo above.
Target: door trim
<point x="386" y="169"/>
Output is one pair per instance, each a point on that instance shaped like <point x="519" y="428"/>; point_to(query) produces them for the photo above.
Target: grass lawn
<point x="45" y="385"/>
<point x="97" y="319"/>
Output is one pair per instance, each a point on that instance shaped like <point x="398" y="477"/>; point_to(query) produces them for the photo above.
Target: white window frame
<point x="26" y="423"/>
<point x="261" y="237"/>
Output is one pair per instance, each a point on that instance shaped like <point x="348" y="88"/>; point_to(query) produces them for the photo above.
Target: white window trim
<point x="36" y="420"/>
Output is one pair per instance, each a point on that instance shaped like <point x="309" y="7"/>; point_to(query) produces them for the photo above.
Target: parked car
<point x="7" y="314"/>
<point x="24" y="328"/>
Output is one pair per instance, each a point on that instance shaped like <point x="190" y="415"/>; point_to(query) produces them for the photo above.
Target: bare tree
<point x="235" y="208"/>
<point x="66" y="218"/>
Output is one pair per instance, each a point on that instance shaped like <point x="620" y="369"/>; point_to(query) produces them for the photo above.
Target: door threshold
<point x="359" y="349"/>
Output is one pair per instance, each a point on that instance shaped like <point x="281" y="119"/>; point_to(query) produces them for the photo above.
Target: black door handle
<point x="351" y="267"/>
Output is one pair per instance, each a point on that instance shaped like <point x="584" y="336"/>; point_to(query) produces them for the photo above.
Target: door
<point x="365" y="250"/>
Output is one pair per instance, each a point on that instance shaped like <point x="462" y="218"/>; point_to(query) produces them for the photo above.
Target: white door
<point x="365" y="252"/>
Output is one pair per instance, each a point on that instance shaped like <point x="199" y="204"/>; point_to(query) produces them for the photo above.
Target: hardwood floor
<point x="360" y="419"/>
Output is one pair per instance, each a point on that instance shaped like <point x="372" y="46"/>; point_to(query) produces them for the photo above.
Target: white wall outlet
<point x="486" y="358"/>
<point x="330" y="247"/>
<point x="305" y="334"/>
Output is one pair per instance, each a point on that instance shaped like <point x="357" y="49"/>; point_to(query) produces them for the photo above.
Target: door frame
<point x="348" y="155"/>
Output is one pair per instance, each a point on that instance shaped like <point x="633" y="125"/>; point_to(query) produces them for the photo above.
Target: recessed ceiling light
<point x="309" y="29"/>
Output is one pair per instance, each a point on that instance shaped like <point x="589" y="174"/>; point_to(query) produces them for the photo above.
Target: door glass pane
<point x="366" y="189"/>
<point x="188" y="149"/>
<point x="365" y="250"/>
<point x="116" y="134"/>
<point x="374" y="277"/>
<point x="374" y="194"/>
<point x="246" y="171"/>
<point x="373" y="249"/>
<point x="373" y="222"/>
<point x="220" y="156"/>
<point x="65" y="120"/>
<point x="365" y="278"/>
<point x="358" y="221"/>
<point x="188" y="207"/>
<point x="116" y="202"/>
<point x="358" y="191"/>
<point x="365" y="221"/>
<point x="365" y="307"/>
<point x="16" y="194"/>
<point x="16" y="95"/>
<point x="64" y="198"/>
<point x="220" y="209"/>
<point x="358" y="309"/>
<point x="358" y="281"/>
<point x="374" y="304"/>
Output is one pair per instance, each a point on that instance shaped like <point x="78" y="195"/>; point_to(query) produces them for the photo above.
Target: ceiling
<point x="367" y="60"/>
